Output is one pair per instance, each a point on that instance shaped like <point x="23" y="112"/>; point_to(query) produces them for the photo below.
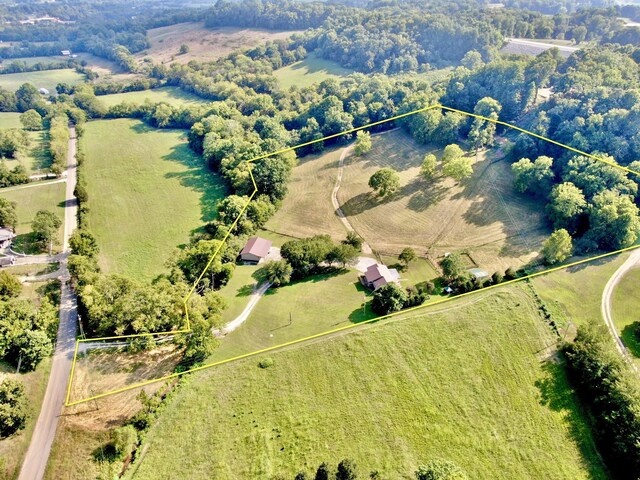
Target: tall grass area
<point x="470" y="384"/>
<point x="147" y="193"/>
<point x="171" y="95"/>
<point x="44" y="79"/>
<point x="312" y="69"/>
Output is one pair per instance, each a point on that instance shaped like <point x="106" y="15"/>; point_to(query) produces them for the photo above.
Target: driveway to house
<point x="607" y="294"/>
<point x="35" y="461"/>
<point x="254" y="298"/>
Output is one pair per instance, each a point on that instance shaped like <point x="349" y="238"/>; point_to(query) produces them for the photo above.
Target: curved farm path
<point x="366" y="248"/>
<point x="632" y="261"/>
<point x="255" y="297"/>
<point x="35" y="461"/>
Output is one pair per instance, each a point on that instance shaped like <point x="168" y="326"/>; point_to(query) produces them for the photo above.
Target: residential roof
<point x="478" y="273"/>
<point x="6" y="234"/>
<point x="378" y="275"/>
<point x="257" y="246"/>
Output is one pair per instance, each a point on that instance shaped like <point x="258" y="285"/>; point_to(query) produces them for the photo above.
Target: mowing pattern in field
<point x="626" y="310"/>
<point x="482" y="214"/>
<point x="29" y="201"/>
<point x="170" y="95"/>
<point x="147" y="192"/>
<point x="468" y="385"/>
<point x="312" y="69"/>
<point x="45" y="79"/>
<point x="204" y="43"/>
<point x="307" y="209"/>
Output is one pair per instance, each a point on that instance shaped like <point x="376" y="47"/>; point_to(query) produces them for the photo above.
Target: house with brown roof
<point x="6" y="236"/>
<point x="379" y="275"/>
<point x="256" y="250"/>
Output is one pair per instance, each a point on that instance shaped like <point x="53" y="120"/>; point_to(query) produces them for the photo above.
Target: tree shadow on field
<point x="556" y="394"/>
<point x="629" y="338"/>
<point x="593" y="263"/>
<point x="198" y="178"/>
<point x="359" y="204"/>
<point x="423" y="194"/>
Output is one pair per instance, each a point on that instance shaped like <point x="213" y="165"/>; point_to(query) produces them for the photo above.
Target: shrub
<point x="266" y="362"/>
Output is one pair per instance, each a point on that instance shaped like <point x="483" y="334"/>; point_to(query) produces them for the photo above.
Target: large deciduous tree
<point x="45" y="227"/>
<point x="385" y="181"/>
<point x="363" y="143"/>
<point x="557" y="247"/>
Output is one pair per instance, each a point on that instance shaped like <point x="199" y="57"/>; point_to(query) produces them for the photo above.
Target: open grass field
<point x="170" y="95"/>
<point x="307" y="208"/>
<point x="312" y="69"/>
<point x="45" y="79"/>
<point x="482" y="214"/>
<point x="471" y="385"/>
<point x="29" y="202"/>
<point x="312" y="311"/>
<point x="12" y="449"/>
<point x="626" y="309"/>
<point x="10" y="120"/>
<point x="147" y="193"/>
<point x="204" y="44"/>
<point x="575" y="293"/>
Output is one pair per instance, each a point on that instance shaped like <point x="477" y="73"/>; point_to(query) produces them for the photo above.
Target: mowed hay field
<point x="312" y="69"/>
<point x="147" y="193"/>
<point x="482" y="214"/>
<point x="171" y="95"/>
<point x="468" y="385"/>
<point x="44" y="79"/>
<point x="307" y="209"/>
<point x="204" y="43"/>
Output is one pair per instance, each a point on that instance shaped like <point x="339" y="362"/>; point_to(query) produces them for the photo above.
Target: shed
<point x="66" y="53"/>
<point x="6" y="236"/>
<point x="7" y="261"/>
<point x="43" y="91"/>
<point x="256" y="250"/>
<point x="478" y="273"/>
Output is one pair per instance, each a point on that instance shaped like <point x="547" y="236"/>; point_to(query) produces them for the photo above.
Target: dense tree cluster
<point x="309" y="256"/>
<point x="13" y="407"/>
<point x="607" y="387"/>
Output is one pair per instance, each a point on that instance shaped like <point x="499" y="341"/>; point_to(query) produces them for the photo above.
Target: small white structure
<point x="43" y="91"/>
<point x="478" y="273"/>
<point x="66" y="53"/>
<point x="6" y="236"/>
<point x="7" y="261"/>
<point x="256" y="250"/>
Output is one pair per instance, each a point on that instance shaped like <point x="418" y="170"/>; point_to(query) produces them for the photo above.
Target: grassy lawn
<point x="311" y="308"/>
<point x="419" y="270"/>
<point x="170" y="95"/>
<point x="45" y="79"/>
<point x="626" y="309"/>
<point x="482" y="214"/>
<point x="205" y="44"/>
<point x="36" y="158"/>
<point x="147" y="193"/>
<point x="467" y="385"/>
<point x="29" y="202"/>
<point x="12" y="449"/>
<point x="33" y="60"/>
<point x="575" y="294"/>
<point x="312" y="69"/>
<point x="307" y="209"/>
<point x="237" y="291"/>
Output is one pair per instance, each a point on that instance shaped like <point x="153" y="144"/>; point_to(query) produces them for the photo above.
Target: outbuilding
<point x="255" y="251"/>
<point x="6" y="236"/>
<point x="479" y="274"/>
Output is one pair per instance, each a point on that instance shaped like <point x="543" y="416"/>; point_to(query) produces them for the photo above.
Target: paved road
<point x="632" y="261"/>
<point x="35" y="461"/>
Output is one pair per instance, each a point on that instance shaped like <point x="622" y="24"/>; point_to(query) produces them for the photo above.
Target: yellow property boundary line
<point x="346" y="327"/>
